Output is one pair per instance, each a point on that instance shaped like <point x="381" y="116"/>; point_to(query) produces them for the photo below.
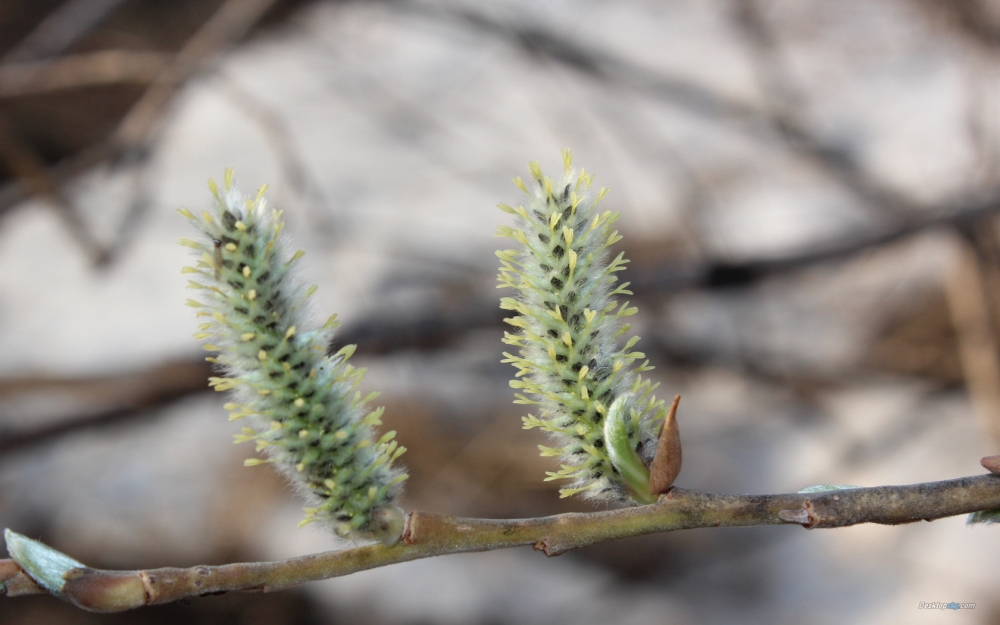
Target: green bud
<point x="42" y="563"/>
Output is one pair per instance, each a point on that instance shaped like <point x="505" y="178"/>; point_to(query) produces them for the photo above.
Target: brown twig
<point x="137" y="129"/>
<point x="111" y="398"/>
<point x="105" y="67"/>
<point x="978" y="349"/>
<point x="230" y="22"/>
<point x="428" y="535"/>
<point x="20" y="158"/>
<point x="612" y="69"/>
<point x="61" y="28"/>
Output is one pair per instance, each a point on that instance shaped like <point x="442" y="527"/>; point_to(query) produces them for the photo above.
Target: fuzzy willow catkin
<point x="307" y="413"/>
<point x="587" y="392"/>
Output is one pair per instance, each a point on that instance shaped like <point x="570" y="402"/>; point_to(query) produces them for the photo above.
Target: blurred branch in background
<point x="60" y="29"/>
<point x="109" y="399"/>
<point x="107" y="67"/>
<point x="434" y="328"/>
<point x="22" y="74"/>
<point x="779" y="117"/>
<point x="282" y="142"/>
<point x="974" y="315"/>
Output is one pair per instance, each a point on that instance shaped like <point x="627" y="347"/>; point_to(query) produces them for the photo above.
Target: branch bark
<point x="428" y="535"/>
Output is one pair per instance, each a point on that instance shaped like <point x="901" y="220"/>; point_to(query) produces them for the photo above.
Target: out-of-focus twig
<point x="136" y="131"/>
<point x="279" y="135"/>
<point x="785" y="102"/>
<point x="60" y="29"/>
<point x="117" y="398"/>
<point x="436" y="328"/>
<point x="740" y="273"/>
<point x="230" y="22"/>
<point x="106" y="67"/>
<point x="971" y="18"/>
<point x="20" y="158"/>
<point x="700" y="100"/>
<point x="978" y="349"/>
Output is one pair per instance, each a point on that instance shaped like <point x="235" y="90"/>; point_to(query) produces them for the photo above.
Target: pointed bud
<point x="44" y="564"/>
<point x="667" y="462"/>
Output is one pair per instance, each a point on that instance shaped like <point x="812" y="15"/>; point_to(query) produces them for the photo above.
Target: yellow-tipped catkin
<point x="566" y="323"/>
<point x="309" y="419"/>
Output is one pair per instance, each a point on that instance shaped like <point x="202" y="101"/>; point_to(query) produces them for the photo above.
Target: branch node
<point x="408" y="529"/>
<point x="545" y="547"/>
<point x="991" y="464"/>
<point x="794" y="516"/>
<point x="104" y="591"/>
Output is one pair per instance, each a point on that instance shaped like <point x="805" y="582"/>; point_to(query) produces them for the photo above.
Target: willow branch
<point x="428" y="535"/>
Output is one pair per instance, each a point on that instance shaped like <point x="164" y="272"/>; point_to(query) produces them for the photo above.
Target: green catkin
<point x="587" y="392"/>
<point x="307" y="413"/>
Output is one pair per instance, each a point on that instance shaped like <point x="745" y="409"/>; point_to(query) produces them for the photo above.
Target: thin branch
<point x="106" y="67"/>
<point x="784" y="112"/>
<point x="612" y="69"/>
<point x="112" y="399"/>
<point x="969" y="306"/>
<point x="229" y="23"/>
<point x="428" y="535"/>
<point x="61" y="28"/>
<point x="20" y="157"/>
<point x="137" y="129"/>
<point x="279" y="134"/>
<point x="971" y="19"/>
<point x="718" y="274"/>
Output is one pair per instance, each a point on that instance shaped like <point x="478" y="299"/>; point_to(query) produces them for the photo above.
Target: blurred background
<point x="809" y="194"/>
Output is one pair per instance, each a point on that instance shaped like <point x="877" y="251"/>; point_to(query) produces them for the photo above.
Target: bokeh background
<point x="809" y="192"/>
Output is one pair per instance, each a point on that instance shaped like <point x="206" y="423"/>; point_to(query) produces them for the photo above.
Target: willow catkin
<point x="307" y="414"/>
<point x="587" y="392"/>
